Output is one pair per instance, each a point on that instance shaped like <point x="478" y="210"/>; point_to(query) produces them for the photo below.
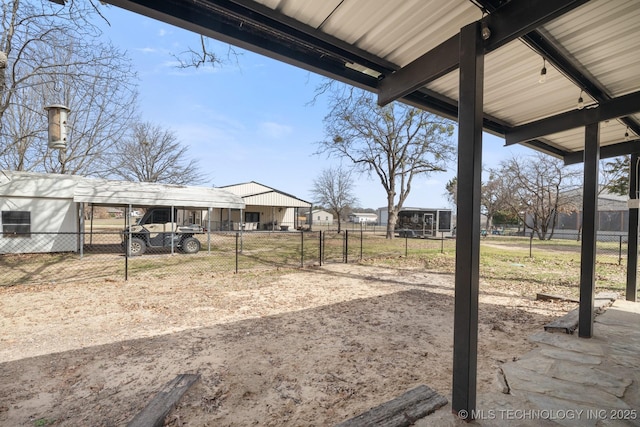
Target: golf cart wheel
<point x="190" y="245"/>
<point x="136" y="247"/>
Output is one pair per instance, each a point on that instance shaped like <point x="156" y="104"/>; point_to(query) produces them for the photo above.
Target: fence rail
<point x="60" y="257"/>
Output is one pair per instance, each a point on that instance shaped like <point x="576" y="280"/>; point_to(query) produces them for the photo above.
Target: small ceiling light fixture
<point x="626" y="134"/>
<point x="543" y="72"/>
<point x="580" y="101"/>
<point x="485" y="32"/>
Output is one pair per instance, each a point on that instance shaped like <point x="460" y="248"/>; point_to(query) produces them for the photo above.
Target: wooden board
<point x="154" y="413"/>
<point x="550" y="297"/>
<point x="404" y="410"/>
<point x="569" y="322"/>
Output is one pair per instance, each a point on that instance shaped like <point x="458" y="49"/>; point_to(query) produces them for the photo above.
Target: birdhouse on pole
<point x="57" y="115"/>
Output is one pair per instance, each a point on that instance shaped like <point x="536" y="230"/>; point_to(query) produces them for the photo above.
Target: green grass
<point x="553" y="267"/>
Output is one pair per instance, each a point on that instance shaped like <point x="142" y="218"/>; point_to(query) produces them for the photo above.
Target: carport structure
<point x="478" y="62"/>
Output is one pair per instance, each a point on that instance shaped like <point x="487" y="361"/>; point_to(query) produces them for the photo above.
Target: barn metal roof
<point x="256" y="194"/>
<point x="408" y="50"/>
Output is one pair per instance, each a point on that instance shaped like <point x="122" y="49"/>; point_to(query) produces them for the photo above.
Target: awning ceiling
<point x="409" y="49"/>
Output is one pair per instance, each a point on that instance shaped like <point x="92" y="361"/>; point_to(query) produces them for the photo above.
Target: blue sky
<point x="249" y="119"/>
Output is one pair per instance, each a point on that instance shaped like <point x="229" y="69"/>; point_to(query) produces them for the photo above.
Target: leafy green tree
<point x="616" y="175"/>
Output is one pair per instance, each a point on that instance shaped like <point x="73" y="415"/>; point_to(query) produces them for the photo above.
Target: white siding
<point x="47" y="216"/>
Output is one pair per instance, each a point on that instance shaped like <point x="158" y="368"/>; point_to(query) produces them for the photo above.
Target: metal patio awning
<point x="141" y="194"/>
<point x="476" y="61"/>
<point x="408" y="50"/>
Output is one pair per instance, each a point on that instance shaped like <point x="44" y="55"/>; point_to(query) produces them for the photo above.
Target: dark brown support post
<point x="589" y="230"/>
<point x="632" y="239"/>
<point x="470" y="115"/>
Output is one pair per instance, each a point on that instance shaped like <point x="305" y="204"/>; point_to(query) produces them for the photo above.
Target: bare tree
<point x="54" y="57"/>
<point x="395" y="143"/>
<point x="333" y="189"/>
<point x="542" y="188"/>
<point x="151" y="154"/>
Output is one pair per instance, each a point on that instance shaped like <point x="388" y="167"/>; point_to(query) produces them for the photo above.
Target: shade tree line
<point x="535" y="190"/>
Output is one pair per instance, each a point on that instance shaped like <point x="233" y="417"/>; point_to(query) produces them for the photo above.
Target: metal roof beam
<point x="613" y="109"/>
<point x="574" y="71"/>
<point x="273" y="35"/>
<point x="606" y="152"/>
<point x="511" y="21"/>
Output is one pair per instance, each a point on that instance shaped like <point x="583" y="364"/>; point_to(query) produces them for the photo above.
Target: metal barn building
<point x="267" y="208"/>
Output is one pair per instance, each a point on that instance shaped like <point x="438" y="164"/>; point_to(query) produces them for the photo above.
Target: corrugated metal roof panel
<point x="399" y="31"/>
<point x="255" y="193"/>
<point x="33" y="185"/>
<point x="247" y="188"/>
<point x="106" y="192"/>
<point x="275" y="199"/>
<point x="597" y="42"/>
<point x="101" y="191"/>
<point x="603" y="36"/>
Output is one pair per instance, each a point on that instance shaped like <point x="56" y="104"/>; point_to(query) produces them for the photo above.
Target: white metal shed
<point x="41" y="211"/>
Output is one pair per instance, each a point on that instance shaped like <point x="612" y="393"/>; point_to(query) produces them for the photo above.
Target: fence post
<point x="620" y="251"/>
<point x="301" y="249"/>
<point x="127" y="246"/>
<point x="406" y="245"/>
<point x="531" y="245"/>
<point x="346" y="246"/>
<point x="320" y="248"/>
<point x="237" y="238"/>
<point x="361" y="241"/>
<point x="442" y="242"/>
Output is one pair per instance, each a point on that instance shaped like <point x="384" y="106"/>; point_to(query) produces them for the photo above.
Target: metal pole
<point x="172" y="230"/>
<point x="301" y="249"/>
<point x="406" y="245"/>
<point x="209" y="213"/>
<point x="320" y="247"/>
<point x="346" y="246"/>
<point x="81" y="234"/>
<point x="589" y="230"/>
<point x="442" y="242"/>
<point x="620" y="251"/>
<point x="531" y="245"/>
<point x="237" y="238"/>
<point x="467" y="270"/>
<point x="127" y="246"/>
<point x="91" y="227"/>
<point x="632" y="238"/>
<point x="361" y="241"/>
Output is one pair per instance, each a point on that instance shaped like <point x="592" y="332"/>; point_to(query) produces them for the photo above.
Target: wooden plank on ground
<point x="550" y="297"/>
<point x="569" y="322"/>
<point x="154" y="413"/>
<point x="402" y="411"/>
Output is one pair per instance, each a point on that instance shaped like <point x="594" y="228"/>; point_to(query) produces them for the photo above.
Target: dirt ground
<point x="306" y="348"/>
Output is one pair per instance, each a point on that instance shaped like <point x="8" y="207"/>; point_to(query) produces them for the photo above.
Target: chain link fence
<point x="610" y="248"/>
<point x="35" y="258"/>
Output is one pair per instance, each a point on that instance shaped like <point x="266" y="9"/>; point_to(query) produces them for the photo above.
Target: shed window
<point x="16" y="224"/>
